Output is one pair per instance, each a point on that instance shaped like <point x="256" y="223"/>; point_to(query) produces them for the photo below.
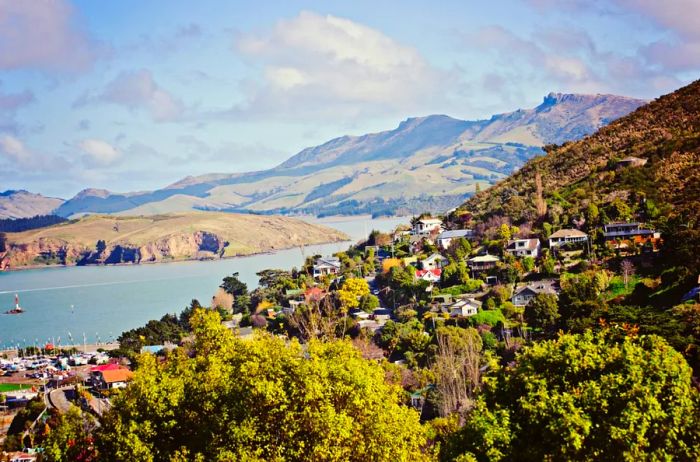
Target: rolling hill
<point x="103" y="239"/>
<point x="23" y="204"/>
<point x="431" y="162"/>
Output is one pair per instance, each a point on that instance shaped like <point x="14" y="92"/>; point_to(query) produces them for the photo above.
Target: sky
<point x="131" y="95"/>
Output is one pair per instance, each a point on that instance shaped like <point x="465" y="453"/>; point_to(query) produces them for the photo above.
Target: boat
<point x="17" y="309"/>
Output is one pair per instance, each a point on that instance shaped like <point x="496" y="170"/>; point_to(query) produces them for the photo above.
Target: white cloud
<point x="139" y="90"/>
<point x="314" y="65"/>
<point x="14" y="150"/>
<point x="99" y="152"/>
<point x="43" y="34"/>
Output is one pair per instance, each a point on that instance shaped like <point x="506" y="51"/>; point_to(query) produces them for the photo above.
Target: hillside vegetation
<point x="111" y="239"/>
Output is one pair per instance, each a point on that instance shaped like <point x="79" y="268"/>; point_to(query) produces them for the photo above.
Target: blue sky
<point x="132" y="95"/>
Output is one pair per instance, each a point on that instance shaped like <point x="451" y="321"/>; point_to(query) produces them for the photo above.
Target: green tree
<point x="70" y="440"/>
<point x="234" y="286"/>
<point x="261" y="399"/>
<point x="542" y="312"/>
<point x="601" y="397"/>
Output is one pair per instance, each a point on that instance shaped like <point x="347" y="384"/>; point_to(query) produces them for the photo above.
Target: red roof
<point x="119" y="375"/>
<point x="106" y="367"/>
<point x="437" y="272"/>
<point x="314" y="294"/>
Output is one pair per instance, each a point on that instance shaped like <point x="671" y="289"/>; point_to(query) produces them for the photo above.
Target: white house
<point x="483" y="262"/>
<point x="567" y="236"/>
<point x="524" y="247"/>
<point x="464" y="307"/>
<point x="523" y="295"/>
<point x="325" y="266"/>
<point x="435" y="261"/>
<point x="444" y="240"/>
<point x="427" y="225"/>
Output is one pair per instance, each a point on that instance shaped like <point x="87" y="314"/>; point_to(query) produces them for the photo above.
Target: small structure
<point x="381" y="315"/>
<point x="430" y="275"/>
<point x="19" y="456"/>
<point x="112" y="378"/>
<point x="314" y="294"/>
<point x="435" y="261"/>
<point x="444" y="240"/>
<point x="524" y="295"/>
<point x="623" y="235"/>
<point x="524" y="247"/>
<point x="326" y="266"/>
<point x="483" y="262"/>
<point x="567" y="236"/>
<point x="359" y="314"/>
<point x="427" y="225"/>
<point x="631" y="161"/>
<point x="464" y="307"/>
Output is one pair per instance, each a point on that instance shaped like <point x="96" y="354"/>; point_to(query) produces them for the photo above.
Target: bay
<point x="63" y="304"/>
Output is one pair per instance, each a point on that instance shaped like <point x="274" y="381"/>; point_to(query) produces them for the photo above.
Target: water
<point x="101" y="302"/>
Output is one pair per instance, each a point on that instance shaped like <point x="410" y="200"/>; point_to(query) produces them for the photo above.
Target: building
<point x="523" y="295"/>
<point x="435" y="261"/>
<point x="431" y="275"/>
<point x="381" y="315"/>
<point x="622" y="235"/>
<point x="631" y="161"/>
<point x="110" y="378"/>
<point x="567" y="236"/>
<point x="464" y="307"/>
<point x="483" y="262"/>
<point x="21" y="457"/>
<point x="444" y="240"/>
<point x="524" y="247"/>
<point x="326" y="266"/>
<point x="427" y="226"/>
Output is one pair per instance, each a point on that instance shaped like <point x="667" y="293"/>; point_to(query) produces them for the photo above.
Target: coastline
<point x="174" y="260"/>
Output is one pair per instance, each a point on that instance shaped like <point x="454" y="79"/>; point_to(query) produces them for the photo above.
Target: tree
<point x="602" y="396"/>
<point x="352" y="291"/>
<point x="234" y="286"/>
<point x="261" y="399"/>
<point x="71" y="438"/>
<point x="3" y="242"/>
<point x="456" y="368"/>
<point x="542" y="311"/>
<point x="627" y="269"/>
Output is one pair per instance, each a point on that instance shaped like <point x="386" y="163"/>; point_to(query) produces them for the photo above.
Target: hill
<point x="643" y="166"/>
<point x="104" y="239"/>
<point x="431" y="162"/>
<point x="23" y="204"/>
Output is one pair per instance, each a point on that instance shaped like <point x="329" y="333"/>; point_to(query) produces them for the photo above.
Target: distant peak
<point x="429" y="119"/>
<point x="92" y="192"/>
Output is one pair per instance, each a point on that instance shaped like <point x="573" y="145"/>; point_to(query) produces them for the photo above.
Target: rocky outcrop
<point x="197" y="245"/>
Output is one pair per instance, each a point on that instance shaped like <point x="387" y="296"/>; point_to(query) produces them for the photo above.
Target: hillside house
<point x="427" y="226"/>
<point x="431" y="275"/>
<point x="465" y="307"/>
<point x="435" y="261"/>
<point x="631" y="161"/>
<point x="326" y="266"/>
<point x="625" y="235"/>
<point x="483" y="262"/>
<point x="567" y="236"/>
<point x="444" y="240"/>
<point x="523" y="295"/>
<point x="111" y="378"/>
<point x="524" y="247"/>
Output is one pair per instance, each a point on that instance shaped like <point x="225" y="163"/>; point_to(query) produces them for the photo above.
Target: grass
<point x="490" y="317"/>
<point x="617" y="286"/>
<point x="4" y="387"/>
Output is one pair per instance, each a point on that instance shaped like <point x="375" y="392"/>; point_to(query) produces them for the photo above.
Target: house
<point x="21" y="457"/>
<point x="381" y="314"/>
<point x="523" y="295"/>
<point x="464" y="307"/>
<point x="431" y="275"/>
<point x="567" y="236"/>
<point x="359" y="314"/>
<point x="622" y="235"/>
<point x="483" y="262"/>
<point x="427" y="226"/>
<point x="631" y="161"/>
<point x="524" y="247"/>
<point x="326" y="266"/>
<point x="435" y="261"/>
<point x="314" y="294"/>
<point x="444" y="240"/>
<point x="109" y="379"/>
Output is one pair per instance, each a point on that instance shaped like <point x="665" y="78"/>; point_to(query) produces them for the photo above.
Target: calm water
<point x="103" y="301"/>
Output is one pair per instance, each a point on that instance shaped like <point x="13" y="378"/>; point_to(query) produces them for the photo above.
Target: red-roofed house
<point x="431" y="275"/>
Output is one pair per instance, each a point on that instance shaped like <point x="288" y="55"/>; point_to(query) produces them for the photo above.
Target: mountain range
<point x="426" y="163"/>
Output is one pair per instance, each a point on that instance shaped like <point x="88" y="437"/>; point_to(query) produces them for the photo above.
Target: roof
<point x="105" y="367"/>
<point x="117" y="375"/>
<point x="435" y="256"/>
<point x="485" y="259"/>
<point x="455" y="233"/>
<point x="531" y="244"/>
<point x="540" y="287"/>
<point x="430" y="220"/>
<point x="435" y="272"/>
<point x="568" y="233"/>
<point x="328" y="261"/>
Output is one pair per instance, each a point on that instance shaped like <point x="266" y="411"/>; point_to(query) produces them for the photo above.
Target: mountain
<point x="23" y="204"/>
<point x="644" y="166"/>
<point x="431" y="162"/>
<point x="106" y="239"/>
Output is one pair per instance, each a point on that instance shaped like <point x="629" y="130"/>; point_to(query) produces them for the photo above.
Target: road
<point x="58" y="398"/>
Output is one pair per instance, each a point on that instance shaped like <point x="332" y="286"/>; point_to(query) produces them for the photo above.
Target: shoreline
<point x="178" y="260"/>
